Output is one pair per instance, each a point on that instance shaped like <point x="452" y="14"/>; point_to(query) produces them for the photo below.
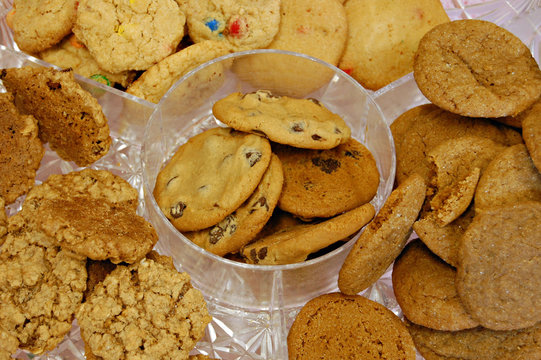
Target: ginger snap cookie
<point x="509" y="178"/>
<point x="244" y="224"/>
<point x="294" y="244"/>
<point x="21" y="151"/>
<point x="499" y="264"/>
<point x="478" y="343"/>
<point x="70" y="119"/>
<point x="531" y="132"/>
<point x="146" y="309"/>
<point x="71" y="53"/>
<point x="323" y="183"/>
<point x="244" y="24"/>
<point x="39" y="24"/>
<point x="210" y="176"/>
<point x="129" y="35"/>
<point x="383" y="37"/>
<point x="420" y="129"/>
<point x="384" y="238"/>
<point x="476" y="68"/>
<point x="339" y="326"/>
<point x="41" y="287"/>
<point x="425" y="289"/>
<point x="304" y="123"/>
<point x="157" y="79"/>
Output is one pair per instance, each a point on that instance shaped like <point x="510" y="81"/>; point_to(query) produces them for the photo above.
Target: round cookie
<point x="383" y="37"/>
<point x="41" y="287"/>
<point x="476" y="68"/>
<point x="71" y="53"/>
<point x="243" y="225"/>
<point x="210" y="176"/>
<point x="478" y="343"/>
<point x="303" y="123"/>
<point x="420" y="129"/>
<point x="21" y="151"/>
<point x="39" y="24"/>
<point x="145" y="310"/>
<point x="323" y="183"/>
<point x="338" y="326"/>
<point x="294" y="244"/>
<point x="70" y="119"/>
<point x="531" y="132"/>
<point x="425" y="289"/>
<point x="499" y="266"/>
<point x="384" y="238"/>
<point x="157" y="79"/>
<point x="129" y="35"/>
<point x="244" y="24"/>
<point x="509" y="178"/>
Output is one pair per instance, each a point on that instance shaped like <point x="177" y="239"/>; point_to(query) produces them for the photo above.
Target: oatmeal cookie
<point x="476" y="68"/>
<point x="129" y="35"/>
<point x="21" y="151"/>
<point x="70" y="119"/>
<point x="147" y="309"/>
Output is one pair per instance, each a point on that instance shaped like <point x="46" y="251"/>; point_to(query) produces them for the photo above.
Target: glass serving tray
<point x="236" y="333"/>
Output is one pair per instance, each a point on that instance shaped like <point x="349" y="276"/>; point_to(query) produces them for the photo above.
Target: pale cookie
<point x="70" y="119"/>
<point x="383" y="37"/>
<point x="338" y="326"/>
<point x="295" y="244"/>
<point x="97" y="229"/>
<point x="40" y="24"/>
<point x="417" y="131"/>
<point x="477" y="344"/>
<point x="476" y="68"/>
<point x="21" y="151"/>
<point x="210" y="176"/>
<point x="129" y="35"/>
<point x="304" y="123"/>
<point x="499" y="266"/>
<point x="443" y="240"/>
<point x="243" y="225"/>
<point x="509" y="178"/>
<point x="425" y="289"/>
<point x="41" y="287"/>
<point x="384" y="238"/>
<point x="531" y="132"/>
<point x="323" y="183"/>
<point x="145" y="310"/>
<point x="71" y="53"/>
<point x="244" y="24"/>
<point x="157" y="79"/>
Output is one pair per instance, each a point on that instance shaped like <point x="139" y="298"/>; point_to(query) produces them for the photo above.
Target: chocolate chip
<point x="215" y="234"/>
<point x="316" y="137"/>
<point x="326" y="165"/>
<point x="262" y="253"/>
<point x="337" y="130"/>
<point x="53" y="85"/>
<point x="228" y="225"/>
<point x="177" y="210"/>
<point x="253" y="256"/>
<point x="173" y="178"/>
<point x="253" y="157"/>
<point x="298" y="127"/>
<point x="3" y="73"/>
<point x="261" y="202"/>
<point x="315" y="101"/>
<point x="308" y="185"/>
<point x="354" y="154"/>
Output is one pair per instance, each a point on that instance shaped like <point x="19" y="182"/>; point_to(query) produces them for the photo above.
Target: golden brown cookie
<point x="509" y="178"/>
<point x="420" y="129"/>
<point x="243" y="225"/>
<point x="323" y="183"/>
<point x="499" y="266"/>
<point x="97" y="270"/>
<point x="338" y="326"/>
<point x="384" y="238"/>
<point x="210" y="176"/>
<point x="383" y="37"/>
<point x="147" y="309"/>
<point x="425" y="289"/>
<point x="21" y="151"/>
<point x="41" y="287"/>
<point x="476" y="68"/>
<point x="296" y="243"/>
<point x="531" y="132"/>
<point x="478" y="343"/>
<point x="70" y="119"/>
<point x="3" y="222"/>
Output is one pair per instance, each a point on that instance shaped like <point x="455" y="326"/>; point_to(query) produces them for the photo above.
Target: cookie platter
<point x="246" y="327"/>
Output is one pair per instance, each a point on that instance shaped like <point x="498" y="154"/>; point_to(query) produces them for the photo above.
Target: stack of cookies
<point x="282" y="181"/>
